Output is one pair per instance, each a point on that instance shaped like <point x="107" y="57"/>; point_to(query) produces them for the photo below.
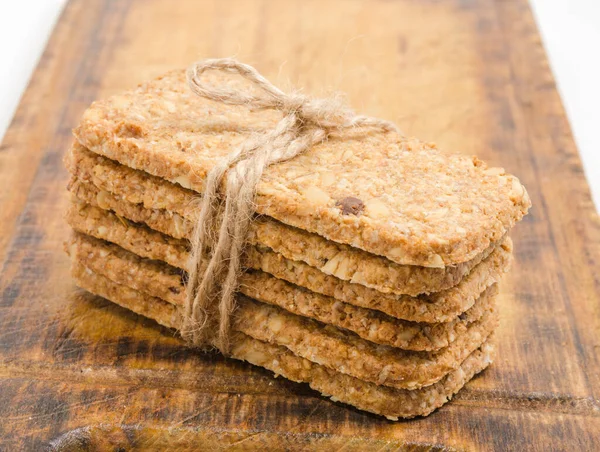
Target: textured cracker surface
<point x="345" y="262"/>
<point x="164" y="281"/>
<point x="164" y="313"/>
<point x="341" y="350"/>
<point x="438" y="307"/>
<point x="383" y="400"/>
<point x="346" y="353"/>
<point x="422" y="206"/>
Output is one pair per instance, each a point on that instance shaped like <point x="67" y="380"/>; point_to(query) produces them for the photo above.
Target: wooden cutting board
<point x="78" y="373"/>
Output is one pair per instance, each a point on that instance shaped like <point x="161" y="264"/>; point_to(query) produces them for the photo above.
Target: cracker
<point x="382" y="400"/>
<point x="160" y="311"/>
<point x="346" y="353"/>
<point x="161" y="280"/>
<point x="443" y="306"/>
<point x="338" y="349"/>
<point x="422" y="206"/>
<point x="344" y="262"/>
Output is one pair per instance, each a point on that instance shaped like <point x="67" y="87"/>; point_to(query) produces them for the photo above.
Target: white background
<point x="570" y="30"/>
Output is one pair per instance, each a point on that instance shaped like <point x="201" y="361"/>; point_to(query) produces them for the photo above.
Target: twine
<point x="220" y="234"/>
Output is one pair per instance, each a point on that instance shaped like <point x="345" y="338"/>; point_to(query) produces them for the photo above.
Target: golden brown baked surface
<point x="328" y="345"/>
<point x="383" y="400"/>
<point x="421" y="206"/>
<point x="180" y="207"/>
<point x="437" y="307"/>
<point x="166" y="282"/>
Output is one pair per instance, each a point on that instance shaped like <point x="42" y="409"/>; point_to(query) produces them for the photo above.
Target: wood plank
<point x="59" y="89"/>
<point x="472" y="75"/>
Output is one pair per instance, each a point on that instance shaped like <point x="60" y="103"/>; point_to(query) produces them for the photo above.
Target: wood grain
<point x="77" y="373"/>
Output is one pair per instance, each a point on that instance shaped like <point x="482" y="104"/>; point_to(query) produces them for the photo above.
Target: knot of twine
<point x="220" y="234"/>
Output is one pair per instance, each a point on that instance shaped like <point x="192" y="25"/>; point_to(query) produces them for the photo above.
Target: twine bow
<point x="220" y="234"/>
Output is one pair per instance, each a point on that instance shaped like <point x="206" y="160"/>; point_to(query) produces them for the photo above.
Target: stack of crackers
<point x="372" y="266"/>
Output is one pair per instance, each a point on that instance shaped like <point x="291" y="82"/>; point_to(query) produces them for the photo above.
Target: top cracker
<point x="380" y="192"/>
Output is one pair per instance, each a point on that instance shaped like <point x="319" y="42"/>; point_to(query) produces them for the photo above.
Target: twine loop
<point x="220" y="234"/>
